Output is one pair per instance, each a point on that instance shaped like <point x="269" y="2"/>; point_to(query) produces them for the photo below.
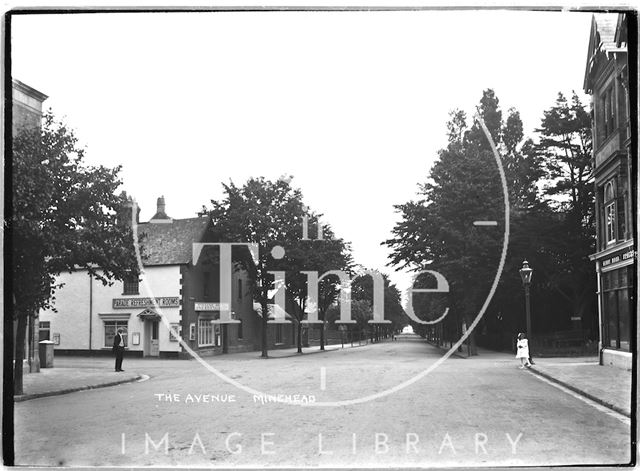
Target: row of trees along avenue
<point x="551" y="195"/>
<point x="271" y="214"/>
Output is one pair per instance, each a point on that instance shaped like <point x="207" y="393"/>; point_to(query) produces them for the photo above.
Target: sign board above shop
<point x="198" y="306"/>
<point x="618" y="257"/>
<point x="128" y="303"/>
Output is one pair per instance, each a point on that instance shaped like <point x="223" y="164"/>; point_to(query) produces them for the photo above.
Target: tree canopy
<point x="269" y="214"/>
<point x="550" y="196"/>
<point x="64" y="215"/>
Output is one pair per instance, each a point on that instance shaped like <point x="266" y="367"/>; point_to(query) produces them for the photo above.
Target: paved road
<point x="466" y="412"/>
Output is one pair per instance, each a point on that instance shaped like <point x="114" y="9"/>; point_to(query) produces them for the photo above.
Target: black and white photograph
<point x="340" y="236"/>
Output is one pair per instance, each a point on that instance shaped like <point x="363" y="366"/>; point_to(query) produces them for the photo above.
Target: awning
<point x="149" y="315"/>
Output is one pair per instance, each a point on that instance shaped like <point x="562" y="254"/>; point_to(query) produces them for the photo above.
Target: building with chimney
<point x="607" y="81"/>
<point x="172" y="291"/>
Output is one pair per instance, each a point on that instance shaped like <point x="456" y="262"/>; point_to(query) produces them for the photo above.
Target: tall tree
<point x="436" y="231"/>
<point x="551" y="199"/>
<point x="320" y="256"/>
<point x="64" y="216"/>
<point x="565" y="145"/>
<point x="265" y="213"/>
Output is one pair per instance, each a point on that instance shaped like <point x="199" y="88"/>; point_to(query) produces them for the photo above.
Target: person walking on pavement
<point x="523" y="351"/>
<point x="118" y="348"/>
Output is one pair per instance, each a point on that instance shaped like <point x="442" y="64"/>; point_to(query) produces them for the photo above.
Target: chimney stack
<point x="161" y="205"/>
<point x="124" y="213"/>
<point x="161" y="215"/>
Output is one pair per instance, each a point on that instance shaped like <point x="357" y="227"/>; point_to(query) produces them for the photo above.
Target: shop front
<point x="616" y="275"/>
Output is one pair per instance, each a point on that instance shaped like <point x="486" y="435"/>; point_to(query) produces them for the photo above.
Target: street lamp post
<point x="525" y="274"/>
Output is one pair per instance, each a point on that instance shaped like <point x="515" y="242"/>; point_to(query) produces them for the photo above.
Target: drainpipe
<point x="90" y="310"/>
<point x="600" y="326"/>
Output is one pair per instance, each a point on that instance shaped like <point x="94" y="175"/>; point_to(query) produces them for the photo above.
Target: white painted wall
<point x="72" y="303"/>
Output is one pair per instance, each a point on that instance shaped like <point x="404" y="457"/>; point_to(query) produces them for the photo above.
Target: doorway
<point x="152" y="338"/>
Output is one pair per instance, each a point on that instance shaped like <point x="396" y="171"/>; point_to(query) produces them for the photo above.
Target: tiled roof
<point x="170" y="243"/>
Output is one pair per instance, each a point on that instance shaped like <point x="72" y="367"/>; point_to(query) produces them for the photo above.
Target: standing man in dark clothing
<point x="118" y="348"/>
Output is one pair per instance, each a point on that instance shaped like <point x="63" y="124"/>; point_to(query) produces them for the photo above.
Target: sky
<point x="353" y="104"/>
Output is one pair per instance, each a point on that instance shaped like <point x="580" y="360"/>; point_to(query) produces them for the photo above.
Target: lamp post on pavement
<point x="525" y="274"/>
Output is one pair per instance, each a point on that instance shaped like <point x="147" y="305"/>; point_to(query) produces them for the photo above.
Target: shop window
<point x="618" y="301"/>
<point x="205" y="332"/>
<point x="623" y="319"/>
<point x="131" y="285"/>
<point x="110" y="330"/>
<point x="45" y="330"/>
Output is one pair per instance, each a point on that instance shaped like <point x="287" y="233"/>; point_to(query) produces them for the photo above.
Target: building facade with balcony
<point x="607" y="81"/>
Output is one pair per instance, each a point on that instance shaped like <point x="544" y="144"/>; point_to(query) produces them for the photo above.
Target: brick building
<point x="607" y="81"/>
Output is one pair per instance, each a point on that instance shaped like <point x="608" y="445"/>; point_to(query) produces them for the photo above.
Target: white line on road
<point x="323" y="378"/>
<point x="143" y="378"/>
<point x="622" y="418"/>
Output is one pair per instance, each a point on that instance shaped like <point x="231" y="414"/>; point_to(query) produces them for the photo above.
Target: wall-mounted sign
<point x="128" y="303"/>
<point x="618" y="257"/>
<point x="210" y="306"/>
<point x="56" y="339"/>
<point x="177" y="328"/>
<point x="135" y="338"/>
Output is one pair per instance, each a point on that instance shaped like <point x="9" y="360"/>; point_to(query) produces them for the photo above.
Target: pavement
<point x="63" y="380"/>
<point x="71" y="374"/>
<point x="606" y="385"/>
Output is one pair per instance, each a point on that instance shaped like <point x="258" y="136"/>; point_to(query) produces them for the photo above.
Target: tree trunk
<point x="19" y="354"/>
<point x="263" y="333"/>
<point x="299" y="337"/>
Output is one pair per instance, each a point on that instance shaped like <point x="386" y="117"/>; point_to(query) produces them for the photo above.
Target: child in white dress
<point x="523" y="351"/>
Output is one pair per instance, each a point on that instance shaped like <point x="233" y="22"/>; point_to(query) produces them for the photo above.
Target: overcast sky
<point x="352" y="104"/>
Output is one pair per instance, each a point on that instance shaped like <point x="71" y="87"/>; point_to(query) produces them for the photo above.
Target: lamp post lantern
<point x="525" y="274"/>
